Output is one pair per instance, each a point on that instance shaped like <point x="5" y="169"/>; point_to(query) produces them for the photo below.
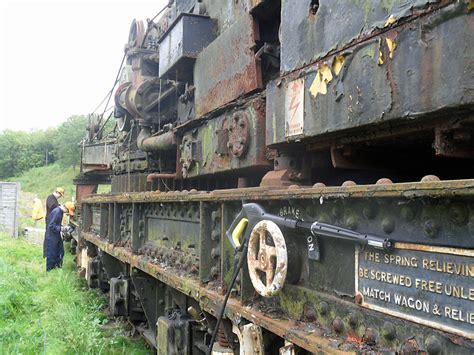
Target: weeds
<point x="52" y="313"/>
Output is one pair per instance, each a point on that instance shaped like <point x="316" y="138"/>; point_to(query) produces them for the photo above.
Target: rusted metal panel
<point x="404" y="73"/>
<point x="128" y="182"/>
<point x="97" y="157"/>
<point x="185" y="6"/>
<point x="235" y="71"/>
<point x="309" y="33"/>
<point x="231" y="142"/>
<point x="181" y="44"/>
<point x="172" y="227"/>
<point x="83" y="190"/>
<point x="227" y="12"/>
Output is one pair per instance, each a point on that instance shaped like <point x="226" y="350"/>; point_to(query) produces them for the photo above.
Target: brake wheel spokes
<point x="270" y="260"/>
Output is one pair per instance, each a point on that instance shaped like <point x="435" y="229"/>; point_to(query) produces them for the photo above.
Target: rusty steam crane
<point x="306" y="164"/>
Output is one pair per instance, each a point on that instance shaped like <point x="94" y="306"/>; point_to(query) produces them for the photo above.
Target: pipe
<point x="154" y="176"/>
<point x="148" y="143"/>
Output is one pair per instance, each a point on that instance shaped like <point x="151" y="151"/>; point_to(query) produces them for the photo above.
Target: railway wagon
<point x="288" y="177"/>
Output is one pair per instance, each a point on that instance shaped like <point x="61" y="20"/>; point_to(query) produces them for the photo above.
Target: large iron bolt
<point x="215" y="253"/>
<point x="431" y="228"/>
<point x="408" y="213"/>
<point x="370" y="336"/>
<point x="388" y="225"/>
<point x="353" y="320"/>
<point x="433" y="345"/>
<point x="323" y="308"/>
<point x="338" y="325"/>
<point x="388" y="331"/>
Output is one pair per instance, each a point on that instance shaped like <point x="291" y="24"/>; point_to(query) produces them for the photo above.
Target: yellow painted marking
<point x="239" y="230"/>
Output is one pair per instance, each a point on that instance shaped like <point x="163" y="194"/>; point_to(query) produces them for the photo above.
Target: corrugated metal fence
<point x="9" y="196"/>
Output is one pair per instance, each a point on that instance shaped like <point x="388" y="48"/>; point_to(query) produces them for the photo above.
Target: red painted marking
<point x="295" y="97"/>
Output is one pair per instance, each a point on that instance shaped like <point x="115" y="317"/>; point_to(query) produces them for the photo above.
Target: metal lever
<point x="252" y="213"/>
<point x="328" y="230"/>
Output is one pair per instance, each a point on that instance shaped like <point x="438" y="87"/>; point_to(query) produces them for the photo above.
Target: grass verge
<point x="54" y="312"/>
<point x="45" y="179"/>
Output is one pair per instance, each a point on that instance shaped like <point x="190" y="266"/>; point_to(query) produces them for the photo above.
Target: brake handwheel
<point x="267" y="258"/>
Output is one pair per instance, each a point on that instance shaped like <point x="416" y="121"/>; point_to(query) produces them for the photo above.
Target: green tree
<point x="20" y="151"/>
<point x="9" y="154"/>
<point x="43" y="145"/>
<point x="66" y="141"/>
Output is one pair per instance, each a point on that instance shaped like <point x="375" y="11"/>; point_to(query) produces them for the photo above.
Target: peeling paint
<point x="391" y="47"/>
<point x="391" y="20"/>
<point x="337" y="64"/>
<point x="380" y="61"/>
<point x="321" y="81"/>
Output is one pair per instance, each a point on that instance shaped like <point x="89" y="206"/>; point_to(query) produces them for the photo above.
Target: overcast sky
<point x="60" y="58"/>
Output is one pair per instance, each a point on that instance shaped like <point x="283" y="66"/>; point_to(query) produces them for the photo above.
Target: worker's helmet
<point x="70" y="207"/>
<point x="60" y="191"/>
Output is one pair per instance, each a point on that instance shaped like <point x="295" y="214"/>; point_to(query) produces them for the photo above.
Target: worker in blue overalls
<point x="53" y="240"/>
